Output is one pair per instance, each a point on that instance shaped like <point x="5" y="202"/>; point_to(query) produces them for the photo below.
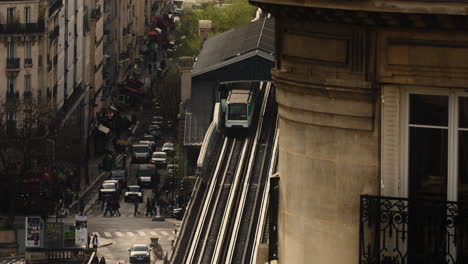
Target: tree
<point x="169" y="89"/>
<point x="224" y="17"/>
<point x="23" y="139"/>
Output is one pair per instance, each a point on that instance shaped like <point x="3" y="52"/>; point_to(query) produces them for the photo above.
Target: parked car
<point x="159" y="158"/>
<point x="108" y="191"/>
<point x="139" y="253"/>
<point x="120" y="176"/>
<point x="148" y="137"/>
<point x="168" y="148"/>
<point x="116" y="182"/>
<point x="133" y="193"/>
<point x="141" y="153"/>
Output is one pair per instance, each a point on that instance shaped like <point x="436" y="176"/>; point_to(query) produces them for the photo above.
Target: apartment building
<point x="126" y="22"/>
<point x="373" y="114"/>
<point x="23" y="38"/>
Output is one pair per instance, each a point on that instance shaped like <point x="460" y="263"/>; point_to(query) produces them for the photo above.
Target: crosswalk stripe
<point x="141" y="233"/>
<point x="107" y="234"/>
<point x="130" y="234"/>
<point x="119" y="234"/>
<point x="164" y="233"/>
<point x="153" y="233"/>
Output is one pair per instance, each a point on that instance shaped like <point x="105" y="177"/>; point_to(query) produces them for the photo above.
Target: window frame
<point x="452" y="143"/>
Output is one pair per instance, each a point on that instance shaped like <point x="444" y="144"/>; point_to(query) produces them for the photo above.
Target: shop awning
<point x="103" y="129"/>
<point x="152" y="33"/>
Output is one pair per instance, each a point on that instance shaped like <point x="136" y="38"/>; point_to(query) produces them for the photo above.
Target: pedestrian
<point x="103" y="205"/>
<point x="135" y="208"/>
<point x="95" y="242"/>
<point x="103" y="261"/>
<point x="88" y="241"/>
<point x="153" y="206"/>
<point x="117" y="207"/>
<point x="107" y="208"/>
<point x="149" y="210"/>
<point x="81" y="206"/>
<point x="95" y="260"/>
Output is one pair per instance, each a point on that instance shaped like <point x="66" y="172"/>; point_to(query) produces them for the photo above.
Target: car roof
<point x="159" y="152"/>
<point x="139" y="245"/>
<point x="133" y="186"/>
<point x="147" y="166"/>
<point x="140" y="145"/>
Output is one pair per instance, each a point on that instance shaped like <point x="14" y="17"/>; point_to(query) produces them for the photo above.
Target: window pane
<point x="463" y="166"/>
<point x="428" y="163"/>
<point x="428" y="110"/>
<point x="463" y="112"/>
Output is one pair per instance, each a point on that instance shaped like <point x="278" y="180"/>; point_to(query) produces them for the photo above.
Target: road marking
<point x="96" y="233"/>
<point x="119" y="234"/>
<point x="107" y="234"/>
<point x="130" y="234"/>
<point x="141" y="233"/>
<point x="165" y="233"/>
<point x="153" y="233"/>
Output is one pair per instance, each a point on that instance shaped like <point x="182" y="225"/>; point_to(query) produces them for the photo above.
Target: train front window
<point x="237" y="112"/>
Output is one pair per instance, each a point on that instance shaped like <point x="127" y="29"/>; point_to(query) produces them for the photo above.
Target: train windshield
<point x="237" y="112"/>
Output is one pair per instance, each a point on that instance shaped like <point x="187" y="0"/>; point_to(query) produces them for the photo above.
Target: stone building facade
<point x="372" y="100"/>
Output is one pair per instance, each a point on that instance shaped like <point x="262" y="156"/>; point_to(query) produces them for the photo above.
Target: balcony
<point x="22" y="28"/>
<point x="96" y="13"/>
<point x="124" y="56"/>
<point x="13" y="64"/>
<point x="54" y="34"/>
<point x="27" y="95"/>
<point x="28" y="62"/>
<point x="54" y="5"/>
<point x="400" y="231"/>
<point x="12" y="97"/>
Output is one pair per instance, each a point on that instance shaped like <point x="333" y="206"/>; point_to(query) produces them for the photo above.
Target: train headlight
<point x="139" y="194"/>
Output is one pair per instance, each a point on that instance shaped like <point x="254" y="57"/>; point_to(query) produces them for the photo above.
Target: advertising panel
<point x="33" y="226"/>
<point x="81" y="230"/>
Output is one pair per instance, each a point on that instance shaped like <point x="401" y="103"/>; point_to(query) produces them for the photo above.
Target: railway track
<point x="227" y="222"/>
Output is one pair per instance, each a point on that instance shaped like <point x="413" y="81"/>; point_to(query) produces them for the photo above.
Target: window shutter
<point x="390" y="170"/>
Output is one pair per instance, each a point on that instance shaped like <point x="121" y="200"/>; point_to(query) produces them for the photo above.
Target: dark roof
<point x="255" y="38"/>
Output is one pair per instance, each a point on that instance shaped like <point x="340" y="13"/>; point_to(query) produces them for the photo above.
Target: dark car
<point x="141" y="153"/>
<point x="108" y="191"/>
<point x="139" y="253"/>
<point x="133" y="193"/>
<point x="120" y="176"/>
<point x="146" y="175"/>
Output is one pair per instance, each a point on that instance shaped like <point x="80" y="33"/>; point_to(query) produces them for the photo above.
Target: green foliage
<point x="223" y="18"/>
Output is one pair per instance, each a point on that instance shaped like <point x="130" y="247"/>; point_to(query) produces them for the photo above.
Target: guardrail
<point x="208" y="141"/>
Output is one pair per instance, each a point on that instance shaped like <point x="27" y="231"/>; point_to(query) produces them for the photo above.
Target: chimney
<point x="204" y="28"/>
<point x="185" y="64"/>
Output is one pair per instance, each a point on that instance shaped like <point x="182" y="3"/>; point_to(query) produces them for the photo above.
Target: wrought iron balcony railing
<point x="96" y="13"/>
<point x="22" y="28"/>
<point x="13" y="63"/>
<point x="405" y="231"/>
<point x="28" y="61"/>
<point x="54" y="5"/>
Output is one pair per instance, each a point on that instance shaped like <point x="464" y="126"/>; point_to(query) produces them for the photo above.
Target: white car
<point x="168" y="147"/>
<point x="139" y="253"/>
<point x="159" y="158"/>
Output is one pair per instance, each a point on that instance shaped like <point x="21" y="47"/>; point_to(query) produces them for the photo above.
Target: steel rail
<point x="206" y="203"/>
<point x="245" y="189"/>
<point x="265" y="201"/>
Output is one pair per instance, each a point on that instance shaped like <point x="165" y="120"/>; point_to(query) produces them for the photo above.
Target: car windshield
<point x="237" y="112"/>
<point x="148" y="138"/>
<point x="140" y="149"/>
<point x="159" y="155"/>
<point x="108" y="186"/>
<point x="145" y="172"/>
<point x="140" y="248"/>
<point x="168" y="145"/>
<point x="133" y="189"/>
